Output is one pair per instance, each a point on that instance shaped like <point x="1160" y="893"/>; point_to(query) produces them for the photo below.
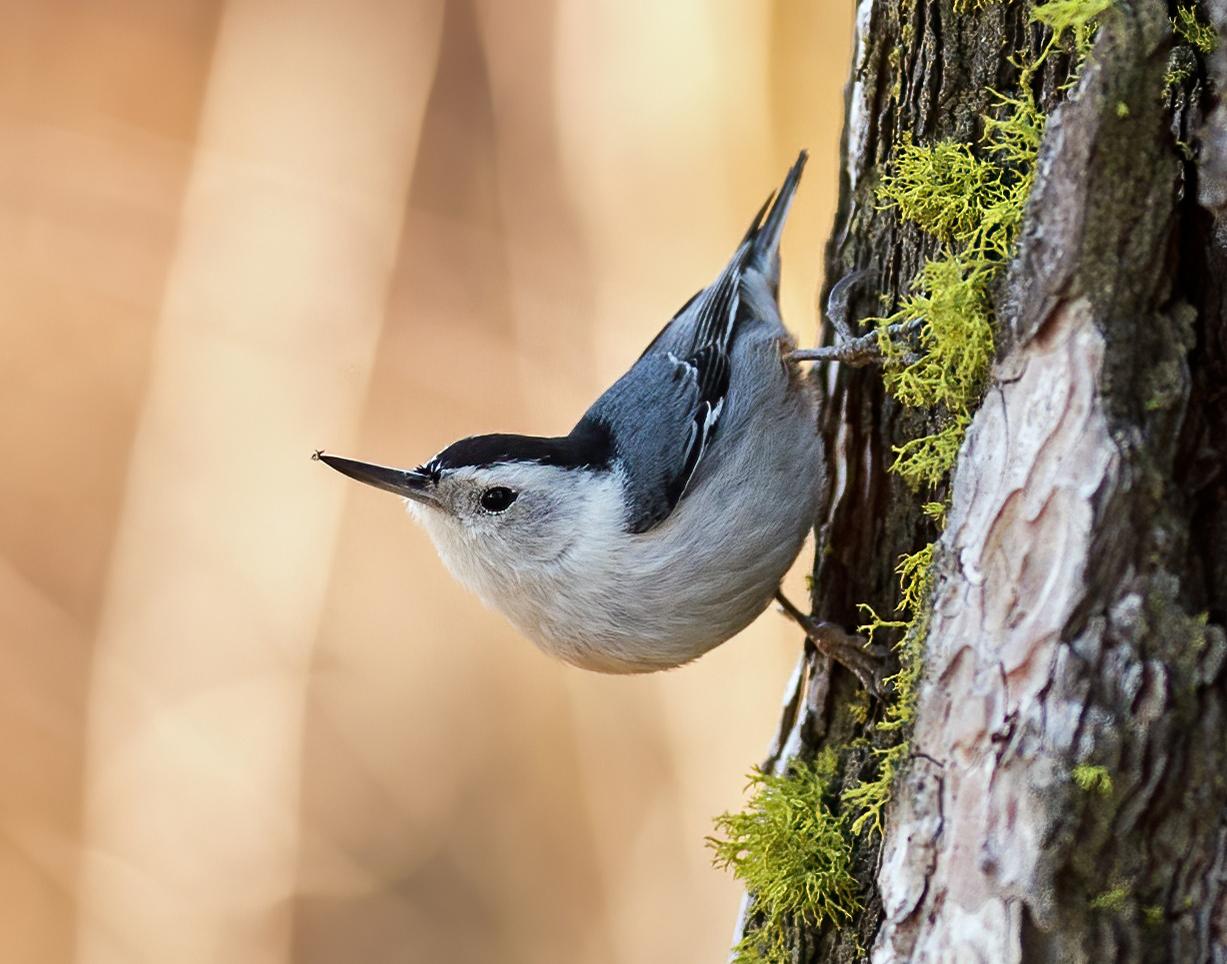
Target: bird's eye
<point x="497" y="498"/>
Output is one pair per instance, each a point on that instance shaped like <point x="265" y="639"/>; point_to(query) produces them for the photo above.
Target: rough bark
<point x="1081" y="578"/>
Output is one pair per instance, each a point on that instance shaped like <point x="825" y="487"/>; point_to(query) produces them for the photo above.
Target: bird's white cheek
<point x="434" y="520"/>
<point x="460" y="548"/>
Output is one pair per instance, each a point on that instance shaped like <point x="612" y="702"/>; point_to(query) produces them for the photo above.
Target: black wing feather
<point x="712" y="375"/>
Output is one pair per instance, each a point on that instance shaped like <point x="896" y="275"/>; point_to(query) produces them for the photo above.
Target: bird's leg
<point x="854" y="350"/>
<point x="862" y="350"/>
<point x="848" y="649"/>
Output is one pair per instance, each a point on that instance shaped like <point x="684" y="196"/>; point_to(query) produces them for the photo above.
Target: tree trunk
<point x="1062" y="793"/>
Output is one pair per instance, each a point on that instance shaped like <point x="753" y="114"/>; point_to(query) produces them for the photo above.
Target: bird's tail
<point x="768" y="224"/>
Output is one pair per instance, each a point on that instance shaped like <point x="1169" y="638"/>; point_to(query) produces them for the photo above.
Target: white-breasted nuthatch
<point x="663" y="523"/>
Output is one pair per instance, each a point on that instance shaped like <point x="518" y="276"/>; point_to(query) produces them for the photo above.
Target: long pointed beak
<point x="407" y="483"/>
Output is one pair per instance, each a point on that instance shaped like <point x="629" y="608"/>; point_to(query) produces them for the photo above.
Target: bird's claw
<point x="847" y="649"/>
<point x="851" y="349"/>
<point x="866" y="662"/>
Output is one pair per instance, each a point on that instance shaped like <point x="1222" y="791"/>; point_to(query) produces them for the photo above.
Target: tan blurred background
<point x="247" y="716"/>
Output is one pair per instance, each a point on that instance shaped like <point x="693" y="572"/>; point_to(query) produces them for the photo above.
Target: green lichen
<point x="858" y="707"/>
<point x="868" y="798"/>
<point x="940" y="188"/>
<point x="956" y="338"/>
<point x="792" y="850"/>
<point x="1111" y="900"/>
<point x="972" y="203"/>
<point x="926" y="460"/>
<point x="1193" y="31"/>
<point x="1076" y="17"/>
<point x="1153" y="915"/>
<point x="915" y="573"/>
<point x="1093" y="779"/>
<point x="1178" y="72"/>
<point x="1062" y="16"/>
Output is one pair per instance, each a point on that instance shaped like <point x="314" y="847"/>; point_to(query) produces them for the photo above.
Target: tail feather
<point x="768" y="224"/>
<point x="716" y="307"/>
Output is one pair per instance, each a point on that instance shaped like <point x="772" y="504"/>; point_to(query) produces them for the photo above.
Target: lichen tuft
<point x="792" y="851"/>
<point x="943" y="188"/>
<point x="1093" y="779"/>
<point x="1111" y="900"/>
<point x="955" y="339"/>
<point x="1191" y="30"/>
<point x="866" y="800"/>
<point x="1066" y="15"/>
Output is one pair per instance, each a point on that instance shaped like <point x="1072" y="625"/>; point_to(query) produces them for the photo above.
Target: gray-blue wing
<point x="661" y="415"/>
<point x="664" y="412"/>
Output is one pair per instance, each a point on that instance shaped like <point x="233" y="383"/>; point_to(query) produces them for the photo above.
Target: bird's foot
<point x="851" y="349"/>
<point x="854" y="653"/>
<point x="862" y="350"/>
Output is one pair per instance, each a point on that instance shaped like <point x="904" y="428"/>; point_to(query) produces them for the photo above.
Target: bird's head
<point x="501" y="508"/>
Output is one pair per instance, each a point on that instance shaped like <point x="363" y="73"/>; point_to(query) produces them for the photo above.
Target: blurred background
<point x="248" y="717"/>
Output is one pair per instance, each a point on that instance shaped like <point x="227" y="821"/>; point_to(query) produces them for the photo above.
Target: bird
<point x="661" y="525"/>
